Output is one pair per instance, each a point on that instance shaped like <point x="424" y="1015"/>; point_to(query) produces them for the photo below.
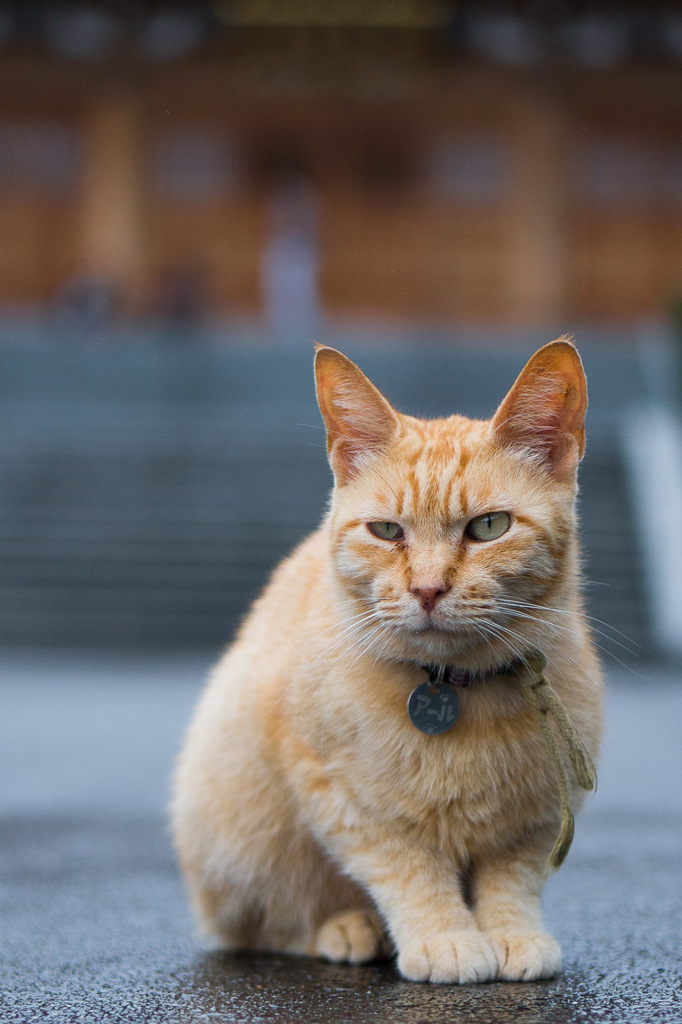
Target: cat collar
<point x="433" y="706"/>
<point x="449" y="674"/>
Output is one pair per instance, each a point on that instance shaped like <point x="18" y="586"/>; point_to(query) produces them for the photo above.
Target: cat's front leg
<point x="434" y="932"/>
<point x="506" y="895"/>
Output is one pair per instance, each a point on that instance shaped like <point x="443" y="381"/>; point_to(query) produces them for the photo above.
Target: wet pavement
<point x="95" y="924"/>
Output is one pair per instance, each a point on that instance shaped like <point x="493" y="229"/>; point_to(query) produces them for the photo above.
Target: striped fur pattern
<point x="310" y="816"/>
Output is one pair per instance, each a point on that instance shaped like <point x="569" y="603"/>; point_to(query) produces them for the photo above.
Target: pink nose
<point x="428" y="596"/>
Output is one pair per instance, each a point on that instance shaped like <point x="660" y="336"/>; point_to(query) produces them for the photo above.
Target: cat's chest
<point x="470" y="764"/>
<point x="455" y="790"/>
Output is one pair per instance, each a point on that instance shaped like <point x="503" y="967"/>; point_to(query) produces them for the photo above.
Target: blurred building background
<point x="189" y="193"/>
<point x="472" y="161"/>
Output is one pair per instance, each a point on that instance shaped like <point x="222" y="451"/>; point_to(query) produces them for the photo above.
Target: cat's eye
<point x="386" y="531"/>
<point x="489" y="526"/>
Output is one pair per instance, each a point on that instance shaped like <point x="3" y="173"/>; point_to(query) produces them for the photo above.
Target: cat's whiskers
<point x="549" y="645"/>
<point x="529" y="605"/>
<point x="356" y="623"/>
<point x="508" y="611"/>
<point x="492" y="629"/>
<point x="389" y="633"/>
<point x="555" y="627"/>
<point x="353" y="630"/>
<point x="517" y="613"/>
<point x="363" y="649"/>
<point x="548" y="648"/>
<point x="517" y="608"/>
<point x="364" y="639"/>
<point x="345" y="621"/>
<point x="519" y="637"/>
<point x="504" y="632"/>
<point x="345" y="640"/>
<point x="474" y="626"/>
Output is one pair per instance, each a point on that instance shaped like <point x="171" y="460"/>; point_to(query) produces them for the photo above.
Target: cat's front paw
<point x="525" y="956"/>
<point x="352" y="937"/>
<point x="461" y="957"/>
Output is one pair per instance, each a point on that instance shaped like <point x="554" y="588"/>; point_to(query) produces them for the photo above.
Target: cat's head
<point x="450" y="537"/>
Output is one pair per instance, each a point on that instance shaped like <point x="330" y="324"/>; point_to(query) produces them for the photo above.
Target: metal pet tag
<point x="433" y="707"/>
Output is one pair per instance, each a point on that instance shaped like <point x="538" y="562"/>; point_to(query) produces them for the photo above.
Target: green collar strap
<point x="543" y="698"/>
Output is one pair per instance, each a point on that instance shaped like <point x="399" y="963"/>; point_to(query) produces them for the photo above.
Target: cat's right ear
<point x="359" y="420"/>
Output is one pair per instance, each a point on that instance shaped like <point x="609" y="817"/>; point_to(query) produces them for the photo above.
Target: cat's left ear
<point x="544" y="413"/>
<point x="359" y="420"/>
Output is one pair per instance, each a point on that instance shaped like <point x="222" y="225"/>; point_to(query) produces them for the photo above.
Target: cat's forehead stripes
<point x="435" y="454"/>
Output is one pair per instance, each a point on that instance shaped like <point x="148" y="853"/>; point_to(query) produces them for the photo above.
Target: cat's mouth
<point x="448" y="646"/>
<point x="453" y="629"/>
<point x="457" y="642"/>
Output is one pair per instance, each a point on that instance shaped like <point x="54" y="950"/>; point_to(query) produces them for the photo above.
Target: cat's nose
<point x="428" y="596"/>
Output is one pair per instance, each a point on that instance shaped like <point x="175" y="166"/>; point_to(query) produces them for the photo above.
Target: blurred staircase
<point x="614" y="583"/>
<point x="146" y="495"/>
<point x="144" y="549"/>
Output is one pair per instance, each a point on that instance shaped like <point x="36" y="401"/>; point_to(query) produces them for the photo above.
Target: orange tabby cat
<point x="311" y="815"/>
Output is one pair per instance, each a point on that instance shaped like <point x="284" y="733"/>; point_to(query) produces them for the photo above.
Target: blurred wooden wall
<point x="479" y="194"/>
